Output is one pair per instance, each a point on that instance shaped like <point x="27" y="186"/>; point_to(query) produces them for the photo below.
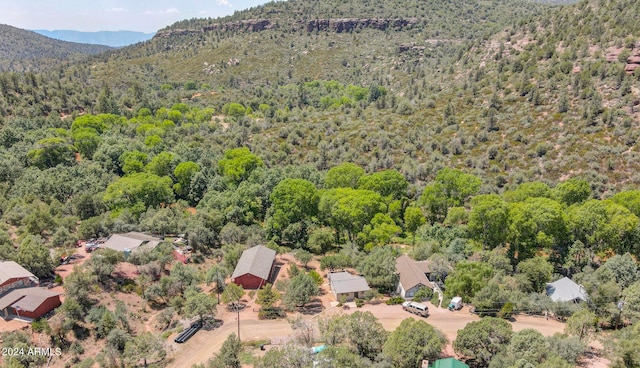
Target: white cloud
<point x="223" y="2"/>
<point x="116" y="10"/>
<point x="169" y="11"/>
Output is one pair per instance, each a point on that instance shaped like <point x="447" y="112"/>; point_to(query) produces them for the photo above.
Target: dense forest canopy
<point x="497" y="139"/>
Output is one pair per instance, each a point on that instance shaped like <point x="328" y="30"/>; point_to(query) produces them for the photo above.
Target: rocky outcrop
<point x="166" y="33"/>
<point x="249" y="25"/>
<point x="633" y="62"/>
<point x="350" y="24"/>
<point x="338" y="25"/>
<point x="404" y="47"/>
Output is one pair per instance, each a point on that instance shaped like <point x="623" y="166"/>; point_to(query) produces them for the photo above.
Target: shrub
<point x="423" y="293"/>
<point x="40" y="325"/>
<point x="506" y="311"/>
<point x="359" y="302"/>
<point x="395" y="300"/>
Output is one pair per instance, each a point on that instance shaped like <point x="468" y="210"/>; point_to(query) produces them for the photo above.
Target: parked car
<point x="91" y="246"/>
<point x="187" y="333"/>
<point x="416" y="308"/>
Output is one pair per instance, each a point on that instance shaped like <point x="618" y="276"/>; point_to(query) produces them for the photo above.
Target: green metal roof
<point x="449" y="363"/>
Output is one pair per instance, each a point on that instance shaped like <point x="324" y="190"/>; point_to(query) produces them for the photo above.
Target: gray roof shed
<point x="131" y="241"/>
<point x="344" y="282"/>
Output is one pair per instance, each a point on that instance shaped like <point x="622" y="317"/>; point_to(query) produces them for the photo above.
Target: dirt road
<point x="206" y="343"/>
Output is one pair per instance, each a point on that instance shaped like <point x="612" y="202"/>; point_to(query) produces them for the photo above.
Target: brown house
<point x="255" y="267"/>
<point x="411" y="277"/>
<point x="13" y="276"/>
<point x="33" y="302"/>
<point x="20" y="296"/>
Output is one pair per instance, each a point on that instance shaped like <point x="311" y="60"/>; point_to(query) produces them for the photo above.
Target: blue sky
<point x="113" y="15"/>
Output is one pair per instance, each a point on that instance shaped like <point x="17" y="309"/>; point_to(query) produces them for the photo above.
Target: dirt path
<point x="206" y="343"/>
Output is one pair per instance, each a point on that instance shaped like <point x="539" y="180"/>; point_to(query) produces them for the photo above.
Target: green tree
<point x="533" y="224"/>
<point x="303" y="256"/>
<point x="139" y="191"/>
<point x="217" y="275"/>
<point x="199" y="304"/>
<point x="537" y="271"/>
<point x="631" y="303"/>
<point x="488" y="221"/>
<point x="233" y="294"/>
<point x="86" y="141"/>
<point x="184" y="173"/>
<point x="144" y="347"/>
<point x="530" y="345"/>
<point x="629" y="199"/>
<point x="229" y="355"/>
<point x="289" y="356"/>
<point x="320" y="240"/>
<point x="340" y="357"/>
<point x="267" y="297"/>
<point x="133" y="161"/>
<point x="162" y="164"/>
<point x="301" y="289"/>
<point x="581" y="324"/>
<point x="379" y="268"/>
<point x="106" y="103"/>
<point x="345" y="175"/>
<point x="35" y="257"/>
<point x="572" y="191"/>
<point x="388" y="183"/>
<point x="451" y="188"/>
<point x="292" y="201"/>
<point x="479" y="341"/>
<point x="238" y="163"/>
<point x="413" y="341"/>
<point x="366" y="334"/>
<point x="467" y="278"/>
<point x="50" y="152"/>
<point x="623" y="347"/>
<point x="349" y="209"/>
<point x="379" y="231"/>
<point x="413" y="219"/>
<point x="624" y="268"/>
<point x="524" y="191"/>
<point x="603" y="225"/>
<point x="79" y="286"/>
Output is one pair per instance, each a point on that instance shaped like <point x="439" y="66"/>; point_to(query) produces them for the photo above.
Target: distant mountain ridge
<point x="107" y="38"/>
<point x="22" y="50"/>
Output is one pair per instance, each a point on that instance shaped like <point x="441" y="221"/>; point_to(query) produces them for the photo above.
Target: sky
<point x="112" y="15"/>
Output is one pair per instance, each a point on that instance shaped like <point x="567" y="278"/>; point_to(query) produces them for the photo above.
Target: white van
<point x="416" y="308"/>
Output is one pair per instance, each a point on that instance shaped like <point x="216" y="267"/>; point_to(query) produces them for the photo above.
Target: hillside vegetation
<point x="496" y="139"/>
<point x="22" y="50"/>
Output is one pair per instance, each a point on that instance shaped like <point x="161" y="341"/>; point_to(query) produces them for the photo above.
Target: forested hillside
<point x="497" y="139"/>
<point x="22" y="50"/>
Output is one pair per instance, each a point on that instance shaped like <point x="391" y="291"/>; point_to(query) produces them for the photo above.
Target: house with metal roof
<point x="13" y="276"/>
<point x="131" y="241"/>
<point x="19" y="294"/>
<point x="255" y="267"/>
<point x="449" y="363"/>
<point x="31" y="302"/>
<point x="347" y="285"/>
<point x="566" y="290"/>
<point x="410" y="277"/>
